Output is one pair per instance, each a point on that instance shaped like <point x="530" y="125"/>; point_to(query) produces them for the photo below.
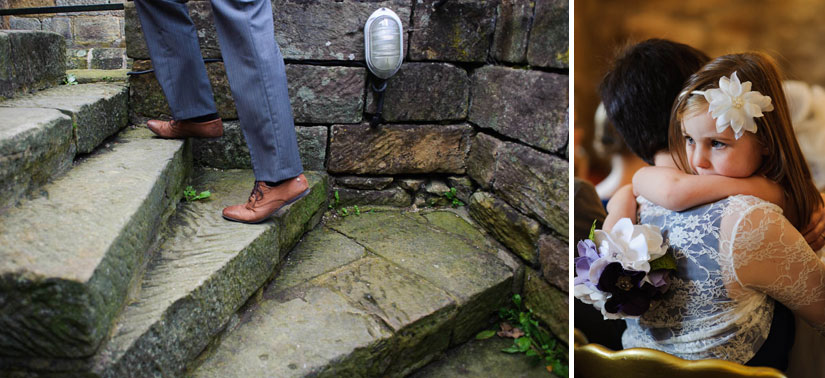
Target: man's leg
<point x="255" y="68"/>
<point x="257" y="76"/>
<point x="176" y="58"/>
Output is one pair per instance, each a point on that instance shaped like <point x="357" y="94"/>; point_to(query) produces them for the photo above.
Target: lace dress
<point x="733" y="256"/>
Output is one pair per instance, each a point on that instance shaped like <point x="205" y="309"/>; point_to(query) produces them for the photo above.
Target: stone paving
<point x="380" y="293"/>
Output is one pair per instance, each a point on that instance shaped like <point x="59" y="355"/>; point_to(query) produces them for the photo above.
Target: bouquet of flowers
<point x="621" y="271"/>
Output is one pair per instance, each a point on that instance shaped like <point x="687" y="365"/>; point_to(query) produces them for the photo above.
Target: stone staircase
<point x="105" y="271"/>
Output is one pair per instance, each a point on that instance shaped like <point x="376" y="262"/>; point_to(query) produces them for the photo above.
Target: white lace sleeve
<point x="770" y="256"/>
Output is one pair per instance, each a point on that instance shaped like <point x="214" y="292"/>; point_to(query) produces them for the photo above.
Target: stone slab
<point x="202" y="274"/>
<point x="317" y="31"/>
<point x="547" y="302"/>
<point x="300" y="337"/>
<point x="481" y="162"/>
<point x="97" y="110"/>
<point x="516" y="231"/>
<point x="411" y="93"/>
<point x="70" y="254"/>
<point x="553" y="258"/>
<point x="94" y="76"/>
<point x="393" y="196"/>
<point x="549" y="41"/>
<point x="399" y="149"/>
<point x="363" y="314"/>
<point x="360" y="182"/>
<point x="318" y="94"/>
<point x="458" y="30"/>
<point x="530" y="106"/>
<point x="482" y="359"/>
<point x="231" y="152"/>
<point x="35" y="146"/>
<point x="321" y="94"/>
<point x="451" y="263"/>
<point x="30" y="60"/>
<point x="320" y="251"/>
<point x="418" y="312"/>
<point x="457" y="223"/>
<point x="534" y="182"/>
<point x="513" y="21"/>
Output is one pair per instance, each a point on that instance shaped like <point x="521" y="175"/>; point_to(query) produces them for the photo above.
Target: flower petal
<point x="752" y="110"/>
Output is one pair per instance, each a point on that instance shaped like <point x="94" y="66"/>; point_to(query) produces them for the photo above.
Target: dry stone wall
<point x="93" y="39"/>
<point x="480" y="105"/>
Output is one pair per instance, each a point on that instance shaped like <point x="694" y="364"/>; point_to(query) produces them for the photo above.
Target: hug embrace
<point x="733" y="197"/>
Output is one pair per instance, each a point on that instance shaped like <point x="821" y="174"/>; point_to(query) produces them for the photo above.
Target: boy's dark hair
<point x="639" y="90"/>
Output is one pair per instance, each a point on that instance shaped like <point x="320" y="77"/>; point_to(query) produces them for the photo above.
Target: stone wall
<point x="480" y="104"/>
<point x="93" y="39"/>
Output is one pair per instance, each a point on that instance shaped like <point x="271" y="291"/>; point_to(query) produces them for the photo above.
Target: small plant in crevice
<point x="453" y="198"/>
<point x="70" y="79"/>
<point x="343" y="211"/>
<point x="190" y="194"/>
<point x="529" y="337"/>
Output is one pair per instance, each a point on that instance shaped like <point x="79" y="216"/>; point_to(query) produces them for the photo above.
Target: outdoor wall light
<point x="384" y="42"/>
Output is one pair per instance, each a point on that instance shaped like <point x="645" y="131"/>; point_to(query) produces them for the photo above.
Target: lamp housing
<point x="384" y="43"/>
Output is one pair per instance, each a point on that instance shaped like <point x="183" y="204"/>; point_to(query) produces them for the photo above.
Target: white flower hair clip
<point x="734" y="104"/>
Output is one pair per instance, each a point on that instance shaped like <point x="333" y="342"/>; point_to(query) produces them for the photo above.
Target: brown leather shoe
<point x="265" y="200"/>
<point x="185" y="129"/>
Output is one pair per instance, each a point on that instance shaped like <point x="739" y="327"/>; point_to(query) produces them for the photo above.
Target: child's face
<point x="713" y="153"/>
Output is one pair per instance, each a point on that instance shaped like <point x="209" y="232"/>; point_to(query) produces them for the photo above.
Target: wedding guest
<point x="257" y="78"/>
<point x="735" y="256"/>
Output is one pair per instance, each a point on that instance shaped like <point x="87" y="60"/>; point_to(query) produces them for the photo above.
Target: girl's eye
<point x="717" y="144"/>
<point x="689" y="140"/>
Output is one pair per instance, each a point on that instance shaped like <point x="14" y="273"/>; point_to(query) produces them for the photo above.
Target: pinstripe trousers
<point x="254" y="67"/>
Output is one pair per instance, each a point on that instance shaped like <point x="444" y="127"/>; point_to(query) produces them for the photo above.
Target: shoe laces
<point x="256" y="194"/>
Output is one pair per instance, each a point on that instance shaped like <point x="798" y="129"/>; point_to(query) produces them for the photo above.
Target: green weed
<point x="190" y="194"/>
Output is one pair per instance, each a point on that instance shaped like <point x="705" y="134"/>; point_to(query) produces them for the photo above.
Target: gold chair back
<point x="596" y="361"/>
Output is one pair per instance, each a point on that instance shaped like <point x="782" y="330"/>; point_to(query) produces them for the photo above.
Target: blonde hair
<point x="784" y="162"/>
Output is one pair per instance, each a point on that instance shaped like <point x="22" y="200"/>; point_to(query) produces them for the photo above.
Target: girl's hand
<point x="621" y="205"/>
<point x="814" y="233"/>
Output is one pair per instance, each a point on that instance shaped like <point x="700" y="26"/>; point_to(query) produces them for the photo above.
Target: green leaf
<point x="531" y="353"/>
<point x="512" y="349"/>
<point x="523" y="343"/>
<point x="337" y="198"/>
<point x="483" y="335"/>
<point x="592" y="231"/>
<point x="665" y="262"/>
<point x="517" y="300"/>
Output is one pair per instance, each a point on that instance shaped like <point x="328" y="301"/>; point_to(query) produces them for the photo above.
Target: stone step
<point x="69" y="255"/>
<point x="376" y="294"/>
<point x="483" y="359"/>
<point x="205" y="269"/>
<point x="40" y="134"/>
<point x="30" y="60"/>
<point x="85" y="76"/>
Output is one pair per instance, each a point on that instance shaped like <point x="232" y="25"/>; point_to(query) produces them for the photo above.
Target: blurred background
<point x="792" y="31"/>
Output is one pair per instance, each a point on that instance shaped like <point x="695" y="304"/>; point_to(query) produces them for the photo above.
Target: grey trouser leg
<point x="173" y="46"/>
<point x="254" y="67"/>
<point x="257" y="76"/>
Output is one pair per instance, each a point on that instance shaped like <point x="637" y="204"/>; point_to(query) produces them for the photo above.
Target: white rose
<point x="634" y="246"/>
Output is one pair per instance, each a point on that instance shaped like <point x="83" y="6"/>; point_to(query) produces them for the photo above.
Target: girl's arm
<point x="675" y="190"/>
<point x="621" y="205"/>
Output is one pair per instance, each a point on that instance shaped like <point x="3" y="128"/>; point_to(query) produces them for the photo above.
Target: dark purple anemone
<point x="627" y="295"/>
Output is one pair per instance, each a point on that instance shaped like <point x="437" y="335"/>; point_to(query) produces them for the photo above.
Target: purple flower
<point x="587" y="256"/>
<point x="627" y="295"/>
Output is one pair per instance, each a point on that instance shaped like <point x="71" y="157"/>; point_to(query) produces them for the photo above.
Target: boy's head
<point x="639" y="90"/>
